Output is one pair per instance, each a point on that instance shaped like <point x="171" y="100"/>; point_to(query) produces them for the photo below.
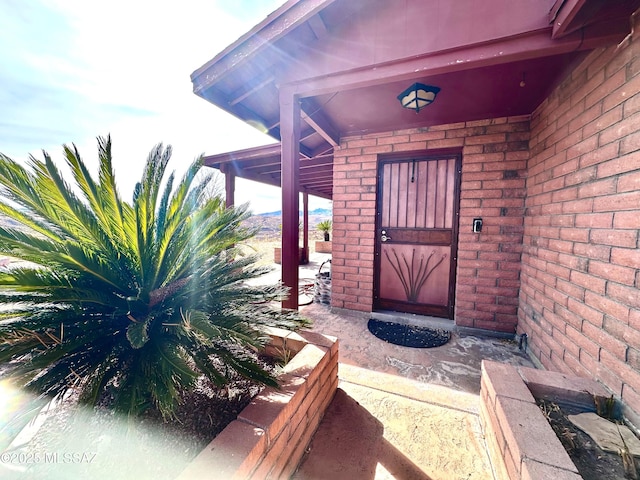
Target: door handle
<point x="384" y="236"/>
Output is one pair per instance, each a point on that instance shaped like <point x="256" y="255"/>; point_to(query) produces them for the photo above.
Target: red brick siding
<point x="270" y="436"/>
<point x="579" y="299"/>
<point x="494" y="159"/>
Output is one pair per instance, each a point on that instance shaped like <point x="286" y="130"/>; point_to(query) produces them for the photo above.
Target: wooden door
<point x="416" y="235"/>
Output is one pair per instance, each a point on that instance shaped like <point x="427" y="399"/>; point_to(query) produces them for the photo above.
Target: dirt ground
<point x="592" y="462"/>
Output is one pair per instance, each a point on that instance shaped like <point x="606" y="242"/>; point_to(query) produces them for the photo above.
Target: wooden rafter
<point x="313" y="116"/>
<point x="263" y="165"/>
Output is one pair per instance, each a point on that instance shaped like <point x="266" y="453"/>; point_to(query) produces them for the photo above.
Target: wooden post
<point x="229" y="186"/>
<point x="305" y="238"/>
<point x="290" y="144"/>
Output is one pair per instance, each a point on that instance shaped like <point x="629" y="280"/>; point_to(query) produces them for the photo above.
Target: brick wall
<point x="271" y="435"/>
<point x="494" y="156"/>
<point x="579" y="299"/>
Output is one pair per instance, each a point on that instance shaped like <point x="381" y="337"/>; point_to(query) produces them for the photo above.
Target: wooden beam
<point x="246" y="154"/>
<point x="290" y="130"/>
<point x="569" y="16"/>
<point x="314" y="180"/>
<point x="318" y="186"/>
<point x="563" y="14"/>
<point x="319" y="180"/>
<point x="316" y="165"/>
<point x="312" y="114"/>
<point x="229" y="187"/>
<point x="261" y="167"/>
<point x="266" y="179"/>
<point x="535" y="44"/>
<point x="317" y="189"/>
<point x="307" y="133"/>
<point x="553" y="13"/>
<point x="321" y="191"/>
<point x="304" y="135"/>
<point x="276" y="167"/>
<point x="320" y="183"/>
<point x="326" y="193"/>
<point x="321" y="187"/>
<point x="316" y="175"/>
<point x="323" y="151"/>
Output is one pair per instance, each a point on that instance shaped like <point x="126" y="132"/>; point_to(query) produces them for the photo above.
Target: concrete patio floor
<point x="380" y="427"/>
<point x="401" y="413"/>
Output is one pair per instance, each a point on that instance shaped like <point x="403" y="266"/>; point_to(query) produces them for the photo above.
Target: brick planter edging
<point x="323" y="246"/>
<point x="277" y="256"/>
<point x="269" y="437"/>
<point x="520" y="440"/>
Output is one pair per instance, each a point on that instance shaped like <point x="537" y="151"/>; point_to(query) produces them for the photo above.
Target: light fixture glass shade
<point x="418" y="96"/>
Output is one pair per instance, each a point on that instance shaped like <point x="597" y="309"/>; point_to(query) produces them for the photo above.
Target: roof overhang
<point x="569" y="16"/>
<point x="346" y="62"/>
<point x="262" y="164"/>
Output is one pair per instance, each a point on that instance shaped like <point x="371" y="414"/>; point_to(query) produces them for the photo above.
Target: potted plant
<point x="325" y="228"/>
<point x="127" y="303"/>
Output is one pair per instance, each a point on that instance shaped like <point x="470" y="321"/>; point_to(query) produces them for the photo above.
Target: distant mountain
<point x="321" y="212"/>
<point x="270" y="224"/>
<point x="270" y="214"/>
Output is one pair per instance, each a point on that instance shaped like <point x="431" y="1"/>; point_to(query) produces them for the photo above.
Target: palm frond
<point x="110" y="200"/>
<point x="127" y="302"/>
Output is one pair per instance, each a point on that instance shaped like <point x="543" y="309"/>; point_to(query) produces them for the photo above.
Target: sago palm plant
<point x="126" y="302"/>
<point x="324" y="227"/>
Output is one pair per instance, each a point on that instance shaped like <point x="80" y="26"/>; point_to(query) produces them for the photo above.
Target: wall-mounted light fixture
<point x="418" y="96"/>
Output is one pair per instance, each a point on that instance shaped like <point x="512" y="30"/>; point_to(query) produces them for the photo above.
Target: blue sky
<point x="72" y="70"/>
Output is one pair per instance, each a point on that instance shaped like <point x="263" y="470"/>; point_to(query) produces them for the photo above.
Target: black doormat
<point x="408" y="335"/>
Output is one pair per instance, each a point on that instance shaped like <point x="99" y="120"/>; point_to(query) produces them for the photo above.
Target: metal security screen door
<point x="416" y="235"/>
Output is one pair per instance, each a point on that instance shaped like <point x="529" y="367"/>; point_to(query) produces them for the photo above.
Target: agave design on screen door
<point x="413" y="277"/>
